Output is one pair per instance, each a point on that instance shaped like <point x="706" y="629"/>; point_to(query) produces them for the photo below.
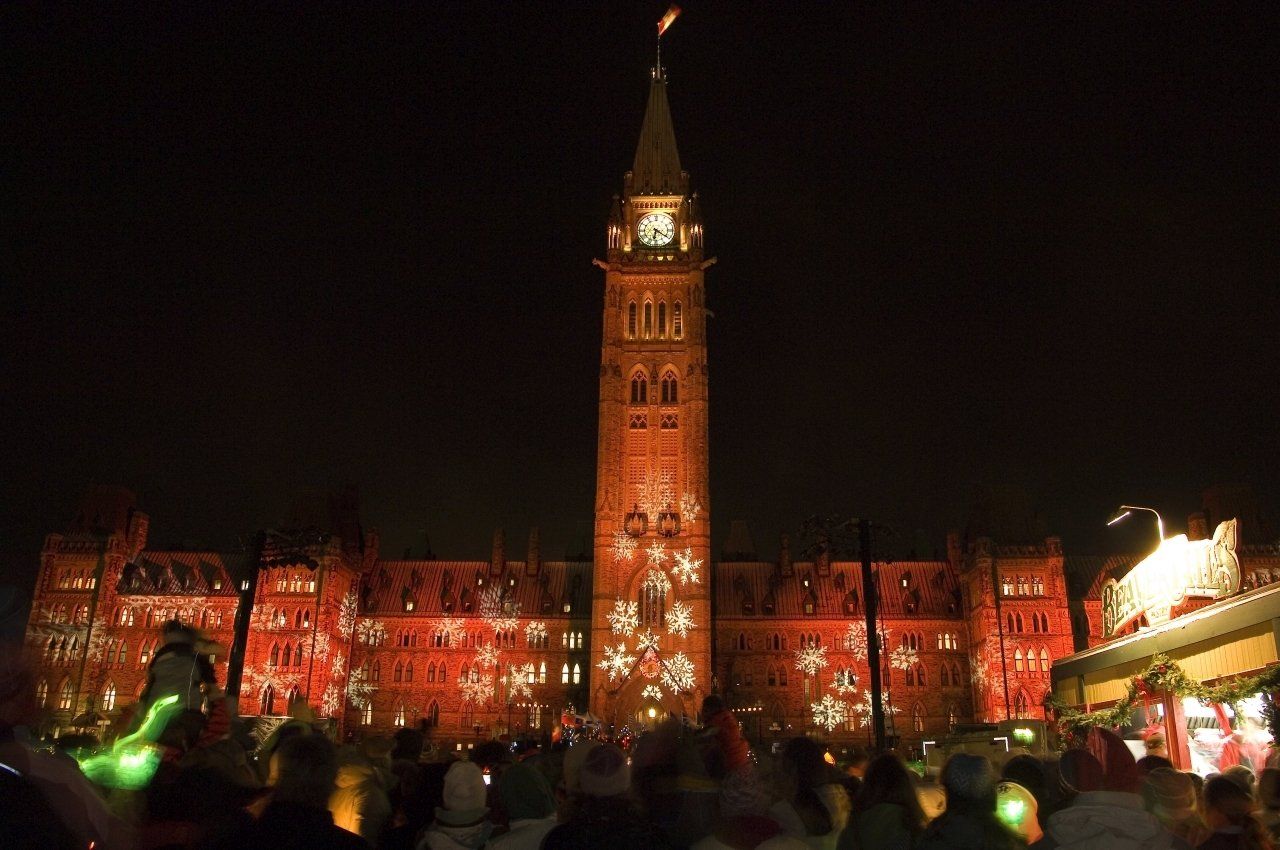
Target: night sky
<point x="254" y="254"/>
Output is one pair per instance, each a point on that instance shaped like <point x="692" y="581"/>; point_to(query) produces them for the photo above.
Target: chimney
<point x="784" y="557"/>
<point x="823" y="559"/>
<point x="498" y="561"/>
<point x="533" y="562"/>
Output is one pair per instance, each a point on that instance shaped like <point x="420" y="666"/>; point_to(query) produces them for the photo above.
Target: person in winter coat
<point x="969" y="821"/>
<point x="1108" y="812"/>
<point x="886" y="813"/>
<point x="813" y="806"/>
<point x="178" y="669"/>
<point x="462" y="823"/>
<point x="1171" y="796"/>
<point x="359" y="802"/>
<point x="1230" y="812"/>
<point x="743" y="822"/>
<point x="605" y="816"/>
<point x="530" y="806"/>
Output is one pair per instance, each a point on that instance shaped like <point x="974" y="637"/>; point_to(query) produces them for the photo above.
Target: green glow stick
<point x="132" y="760"/>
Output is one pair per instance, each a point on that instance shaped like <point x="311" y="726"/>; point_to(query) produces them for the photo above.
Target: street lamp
<point x="1124" y="511"/>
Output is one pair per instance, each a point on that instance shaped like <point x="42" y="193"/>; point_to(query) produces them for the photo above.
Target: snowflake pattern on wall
<point x="811" y="659"/>
<point x="522" y="677"/>
<point x="855" y="641"/>
<point x="690" y="507"/>
<point x="476" y="690"/>
<point x="338" y="667"/>
<point x="687" y="567"/>
<point x="256" y="679"/>
<point x="535" y="632"/>
<point x="320" y="646"/>
<point x="679" y="619"/>
<point x="657" y="581"/>
<point x="677" y="673"/>
<point x="656" y="554"/>
<point x="903" y="658"/>
<point x="862" y="707"/>
<point x="97" y="643"/>
<point x="371" y="632"/>
<point x="845" y="681"/>
<point x="828" y="712"/>
<point x="498" y="610"/>
<point x="616" y="662"/>
<point x="331" y="700"/>
<point x="624" y="618"/>
<point x="657" y="495"/>
<point x="624" y="546"/>
<point x="648" y="641"/>
<point x="487" y="655"/>
<point x="452" y="628"/>
<point x="347" y="615"/>
<point x="651" y="692"/>
<point x="359" y="689"/>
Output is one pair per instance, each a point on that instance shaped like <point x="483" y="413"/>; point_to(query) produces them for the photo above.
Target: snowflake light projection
<point x="331" y="700"/>
<point x="347" y="615"/>
<point x="522" y="677"/>
<point x="359" y="689"/>
<point x="452" y="628"/>
<point x="686" y="567"/>
<point x="648" y="641"/>
<point x="656" y="580"/>
<point x="811" y="659"/>
<point x="624" y="618"/>
<point x="677" y="673"/>
<point x="657" y="496"/>
<point x="498" y="610"/>
<point x="828" y="712"/>
<point x="338" y="667"/>
<point x="656" y="553"/>
<point x="690" y="507"/>
<point x="903" y="658"/>
<point x="679" y="619"/>
<point x="845" y="681"/>
<point x="535" y="632"/>
<point x="97" y="643"/>
<point x="256" y="679"/>
<point x="651" y="692"/>
<point x="862" y="708"/>
<point x="320" y="646"/>
<point x="371" y="632"/>
<point x="985" y="667"/>
<point x="855" y="641"/>
<point x="487" y="655"/>
<point x="616" y="662"/>
<point x="476" y="690"/>
<point x="624" y="546"/>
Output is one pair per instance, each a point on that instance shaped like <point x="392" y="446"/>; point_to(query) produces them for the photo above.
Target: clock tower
<point x="651" y="607"/>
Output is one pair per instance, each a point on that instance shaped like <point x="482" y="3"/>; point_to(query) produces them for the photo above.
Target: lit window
<point x="917" y="717"/>
<point x="1006" y="586"/>
<point x="1021" y="705"/>
<point x="399" y="719"/>
<point x="542" y="673"/>
<point x="564" y="674"/>
<point x="65" y="694"/>
<point x="678" y="321"/>
<point x="577" y="674"/>
<point x="1017" y="660"/>
<point x="1044" y="659"/>
<point x="109" y="697"/>
<point x="1031" y="660"/>
<point x="42" y="693"/>
<point x="366" y="714"/>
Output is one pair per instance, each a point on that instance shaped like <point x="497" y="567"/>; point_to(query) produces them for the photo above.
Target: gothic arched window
<point x="648" y="319"/>
<point x="639" y="389"/>
<point x="297" y="655"/>
<point x="653" y="604"/>
<point x="267" y="702"/>
<point x="631" y="320"/>
<point x="917" y="717"/>
<point x="1017" y="660"/>
<point x="677" y="321"/>
<point x="670" y="388"/>
<point x="274" y="658"/>
<point x="1044" y="660"/>
<point x="1021" y="705"/>
<point x="662" y="318"/>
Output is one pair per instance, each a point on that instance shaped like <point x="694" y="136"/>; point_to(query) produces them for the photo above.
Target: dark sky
<point x="259" y="252"/>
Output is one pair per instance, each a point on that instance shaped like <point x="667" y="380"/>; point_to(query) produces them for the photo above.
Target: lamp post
<point x="1126" y="510"/>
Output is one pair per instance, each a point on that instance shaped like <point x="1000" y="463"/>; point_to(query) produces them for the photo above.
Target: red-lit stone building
<point x="647" y="628"/>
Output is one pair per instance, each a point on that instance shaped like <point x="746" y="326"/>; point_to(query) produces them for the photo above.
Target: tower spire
<point x="656" y="170"/>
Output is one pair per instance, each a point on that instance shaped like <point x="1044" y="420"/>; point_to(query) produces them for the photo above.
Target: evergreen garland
<point x="1163" y="674"/>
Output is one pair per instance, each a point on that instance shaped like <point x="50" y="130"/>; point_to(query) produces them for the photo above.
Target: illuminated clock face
<point x="656" y="229"/>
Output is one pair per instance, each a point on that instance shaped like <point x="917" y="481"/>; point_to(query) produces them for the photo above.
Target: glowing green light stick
<point x="133" y="759"/>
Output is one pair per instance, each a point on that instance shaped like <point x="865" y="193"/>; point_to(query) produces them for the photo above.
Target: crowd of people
<point x="678" y="787"/>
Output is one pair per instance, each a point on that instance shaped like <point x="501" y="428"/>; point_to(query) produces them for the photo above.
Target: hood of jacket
<point x="1107" y="819"/>
<point x="440" y="837"/>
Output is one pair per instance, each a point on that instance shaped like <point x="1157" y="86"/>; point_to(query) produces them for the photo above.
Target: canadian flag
<point x="668" y="19"/>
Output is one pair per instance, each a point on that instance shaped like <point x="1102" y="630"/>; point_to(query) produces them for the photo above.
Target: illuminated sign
<point x="1178" y="570"/>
